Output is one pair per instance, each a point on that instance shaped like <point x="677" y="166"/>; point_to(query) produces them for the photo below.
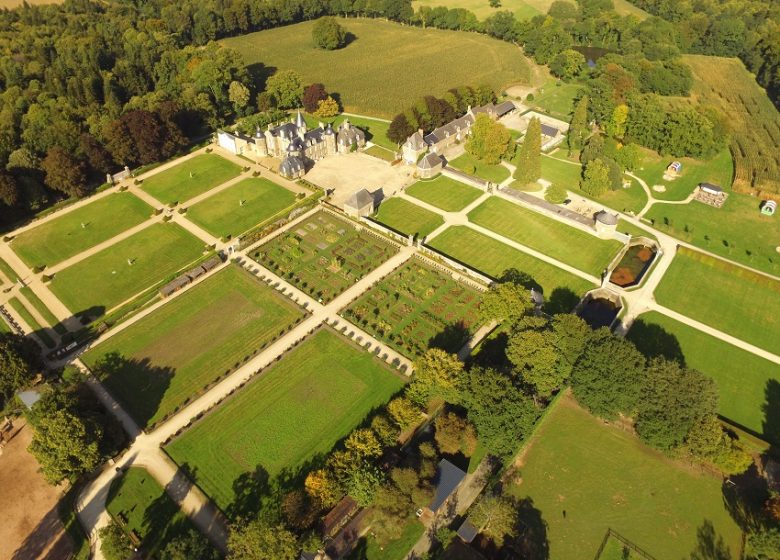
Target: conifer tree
<point x="529" y="162"/>
<point x="578" y="131"/>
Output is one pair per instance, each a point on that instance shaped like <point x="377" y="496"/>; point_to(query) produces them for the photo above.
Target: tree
<point x="327" y="108"/>
<point x="535" y="359"/>
<point x="400" y="129"/>
<point x="238" y="95"/>
<point x="403" y="412"/>
<point x="362" y="444"/>
<point x="312" y="96"/>
<point x="328" y="34"/>
<point x="386" y="432"/>
<point x="114" y="544"/>
<point x="489" y="140"/>
<point x="191" y="545"/>
<point x="323" y="487"/>
<point x="436" y="374"/>
<point x="556" y="194"/>
<point x="96" y="155"/>
<point x="596" y="182"/>
<point x="616" y="127"/>
<point x="628" y="156"/>
<point x="258" y="540"/>
<point x="505" y="302"/>
<point x="9" y="192"/>
<point x="567" y="64"/>
<point x="529" y="160"/>
<point x="285" y="88"/>
<point x="593" y="149"/>
<point x="452" y="433"/>
<point x="495" y="516"/>
<point x="764" y="544"/>
<point x="299" y="509"/>
<point x="19" y="363"/>
<point x="64" y="172"/>
<point x="578" y="131"/>
<point x="707" y="440"/>
<point x="363" y="484"/>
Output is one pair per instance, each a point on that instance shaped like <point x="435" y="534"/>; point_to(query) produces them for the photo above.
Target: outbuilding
<point x="360" y="204"/>
<point x="448" y="478"/>
<point x="709" y="188"/>
<point x="429" y="166"/>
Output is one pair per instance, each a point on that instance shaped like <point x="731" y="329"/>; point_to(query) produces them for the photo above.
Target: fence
<point x="643" y="554"/>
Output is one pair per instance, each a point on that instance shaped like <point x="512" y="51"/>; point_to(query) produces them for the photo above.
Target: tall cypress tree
<point x="529" y="162"/>
<point x="578" y="130"/>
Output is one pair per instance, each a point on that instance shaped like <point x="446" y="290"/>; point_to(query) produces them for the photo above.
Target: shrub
<point x="529" y="97"/>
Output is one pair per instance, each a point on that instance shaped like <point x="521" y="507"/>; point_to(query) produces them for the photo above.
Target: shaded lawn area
<point x="238" y="208"/>
<point x="28" y="318"/>
<point x="718" y="170"/>
<point x="494" y="258"/>
<point x="418" y="307"/>
<point x="190" y="178"/>
<point x="604" y="477"/>
<point x="407" y="217"/>
<point x="471" y="165"/>
<point x="747" y="384"/>
<point x="565" y="243"/>
<point x="282" y="423"/>
<point x="142" y="506"/>
<point x="45" y="312"/>
<point x="736" y="231"/>
<point x="556" y="99"/>
<point x="724" y="296"/>
<point x="63" y="237"/>
<point x="107" y="278"/>
<point x="368" y="548"/>
<point x="165" y="359"/>
<point x="445" y="193"/>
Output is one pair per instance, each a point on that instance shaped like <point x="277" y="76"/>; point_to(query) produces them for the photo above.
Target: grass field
<point x="64" y="237"/>
<point x="407" y="217"/>
<point x="290" y="415"/>
<point x="486" y="171"/>
<point x="238" y="208"/>
<point x="556" y="99"/>
<point x="445" y="193"/>
<point x="141" y="505"/>
<point x="742" y="377"/>
<point x="616" y="550"/>
<point x="482" y="9"/>
<point x="729" y="298"/>
<point x="585" y="477"/>
<point x="718" y="170"/>
<point x="28" y="318"/>
<point x="493" y="258"/>
<point x="736" y="231"/>
<point x="190" y="178"/>
<point x="45" y="312"/>
<point x="418" y="307"/>
<point x="6" y="269"/>
<point x="107" y="278"/>
<point x="555" y="239"/>
<point x="406" y="55"/>
<point x="163" y="360"/>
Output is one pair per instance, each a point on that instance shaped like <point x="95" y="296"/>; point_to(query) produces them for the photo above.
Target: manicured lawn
<point x="36" y="327"/>
<point x="417" y="307"/>
<point x="190" y="178"/>
<point x="6" y="269"/>
<point x="556" y="99"/>
<point x="324" y="255"/>
<point x="445" y="193"/>
<point x="493" y="258"/>
<point x="407" y="217"/>
<point x="169" y="356"/>
<point x="108" y="278"/>
<point x="381" y="153"/>
<point x="719" y="171"/>
<point x="45" y="312"/>
<point x="64" y="237"/>
<point x="634" y="231"/>
<point x="585" y="477"/>
<point x="736" y="231"/>
<point x="743" y="378"/>
<point x="290" y="414"/>
<point x="141" y="506"/>
<point x="473" y="166"/>
<point x="407" y="56"/>
<point x="729" y="298"/>
<point x="236" y="209"/>
<point x="555" y="239"/>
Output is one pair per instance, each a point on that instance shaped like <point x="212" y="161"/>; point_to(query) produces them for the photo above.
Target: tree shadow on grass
<point x="654" y="341"/>
<point x="744" y="497"/>
<point x="561" y="300"/>
<point x="710" y="545"/>
<point x="771" y="409"/>
<point x="515" y="276"/>
<point x="531" y="542"/>
<point x="452" y="338"/>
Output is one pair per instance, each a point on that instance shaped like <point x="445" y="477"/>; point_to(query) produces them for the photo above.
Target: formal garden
<point x="324" y="255"/>
<point x="444" y="193"/>
<point x="270" y="433"/>
<point x="418" y="307"/>
<point x="408" y="218"/>
<point x="163" y="361"/>
<point x="190" y="178"/>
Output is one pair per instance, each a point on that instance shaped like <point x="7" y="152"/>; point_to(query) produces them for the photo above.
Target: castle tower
<point x="330" y="140"/>
<point x="300" y="123"/>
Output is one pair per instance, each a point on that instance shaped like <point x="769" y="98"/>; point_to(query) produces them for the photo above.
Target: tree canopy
<point x="258" y="540"/>
<point x="529" y="160"/>
<point x="489" y="140"/>
<point x="19" y="363"/>
<point x="328" y="34"/>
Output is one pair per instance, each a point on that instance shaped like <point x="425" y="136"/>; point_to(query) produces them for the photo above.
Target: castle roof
<point x="429" y="161"/>
<point x="452" y="127"/>
<point x="291" y="165"/>
<point x="415" y="141"/>
<point x="349" y="134"/>
<point x="299" y="120"/>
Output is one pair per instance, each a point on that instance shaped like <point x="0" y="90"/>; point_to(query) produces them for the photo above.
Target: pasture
<point x="117" y="273"/>
<point x="324" y="255"/>
<point x="164" y="360"/>
<point x="584" y="477"/>
<point x="718" y="170"/>
<point x="747" y="384"/>
<point x="190" y="178"/>
<point x="493" y="258"/>
<point x="386" y="68"/>
<point x="407" y="217"/>
<point x="489" y="172"/>
<point x="238" y="208"/>
<point x="568" y="244"/>
<point x="418" y="307"/>
<point x="729" y="298"/>
<point x="444" y="193"/>
<point x="141" y="506"/>
<point x="285" y="420"/>
<point x="75" y="231"/>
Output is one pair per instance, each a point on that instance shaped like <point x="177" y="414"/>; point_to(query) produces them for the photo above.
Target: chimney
<point x="420" y="130"/>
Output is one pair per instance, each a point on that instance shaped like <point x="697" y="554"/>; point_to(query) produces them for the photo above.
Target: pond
<point x="633" y="266"/>
<point x="599" y="312"/>
<point x="592" y="54"/>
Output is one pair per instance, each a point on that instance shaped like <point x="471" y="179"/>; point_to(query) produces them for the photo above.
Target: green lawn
<point x="28" y="318"/>
<point x="107" y="278"/>
<point x="169" y="356"/>
<point x="719" y="171"/>
<point x="737" y="231"/>
<point x="45" y="312"/>
<point x="381" y="153"/>
<point x="493" y="258"/>
<point x="729" y="298"/>
<point x="473" y="166"/>
<point x="743" y="378"/>
<point x="585" y="477"/>
<point x="190" y="178"/>
<point x="238" y="208"/>
<point x="445" y="193"/>
<point x="407" y="217"/>
<point x="551" y="237"/>
<point x="140" y="505"/>
<point x="64" y="237"/>
<point x="289" y="415"/>
<point x="616" y="550"/>
<point x="407" y="56"/>
<point x="368" y="548"/>
<point x="6" y="269"/>
<point x="634" y="231"/>
<point x="556" y="99"/>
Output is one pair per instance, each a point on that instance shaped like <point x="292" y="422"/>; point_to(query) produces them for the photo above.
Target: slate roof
<point x="606" y="218"/>
<point x="550" y="131"/>
<point x="286" y="130"/>
<point x="360" y="199"/>
<point x="448" y="477"/>
<point x="710" y="187"/>
<point x="429" y="161"/>
<point x="291" y="165"/>
<point x="415" y="141"/>
<point x="467" y="531"/>
<point x="503" y="108"/>
<point x="452" y="127"/>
